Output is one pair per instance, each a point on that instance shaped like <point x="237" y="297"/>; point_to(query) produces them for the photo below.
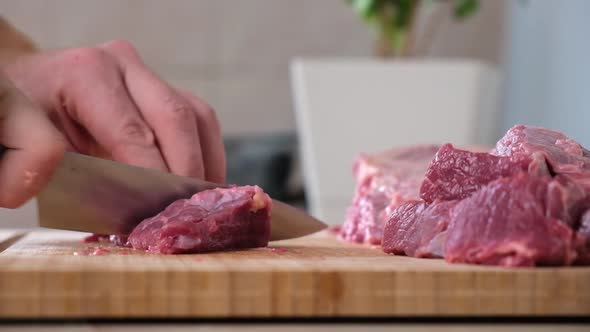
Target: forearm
<point x="13" y="43"/>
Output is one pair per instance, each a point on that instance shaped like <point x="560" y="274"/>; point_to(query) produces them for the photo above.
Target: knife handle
<point x="2" y="149"/>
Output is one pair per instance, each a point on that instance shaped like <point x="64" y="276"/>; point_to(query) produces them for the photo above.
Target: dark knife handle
<point x="2" y="149"/>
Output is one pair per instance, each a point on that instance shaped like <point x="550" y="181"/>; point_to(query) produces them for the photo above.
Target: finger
<point x="210" y="138"/>
<point x="35" y="147"/>
<point x="98" y="100"/>
<point x="170" y="115"/>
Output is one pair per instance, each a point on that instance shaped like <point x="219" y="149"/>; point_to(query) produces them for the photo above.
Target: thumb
<point x="35" y="147"/>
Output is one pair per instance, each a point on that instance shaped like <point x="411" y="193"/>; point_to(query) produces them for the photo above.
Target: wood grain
<point x="347" y="327"/>
<point x="49" y="274"/>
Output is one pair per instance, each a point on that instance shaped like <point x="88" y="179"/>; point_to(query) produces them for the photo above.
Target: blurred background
<point x="301" y="87"/>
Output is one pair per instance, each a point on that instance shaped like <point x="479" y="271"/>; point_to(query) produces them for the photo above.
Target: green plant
<point x="395" y="20"/>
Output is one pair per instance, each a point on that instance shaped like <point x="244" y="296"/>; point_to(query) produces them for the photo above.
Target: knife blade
<point x="100" y="196"/>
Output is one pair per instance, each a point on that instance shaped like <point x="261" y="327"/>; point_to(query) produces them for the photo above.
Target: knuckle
<point x="178" y="110"/>
<point x="210" y="117"/>
<point x="87" y="57"/>
<point x="136" y="133"/>
<point x="122" y="46"/>
<point x="181" y="112"/>
<point x="83" y="64"/>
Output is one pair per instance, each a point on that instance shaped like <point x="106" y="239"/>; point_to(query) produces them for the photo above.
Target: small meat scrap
<point x="100" y="251"/>
<point x="384" y="180"/>
<point x="212" y="220"/>
<point x="96" y="238"/>
<point x="279" y="250"/>
<point x="119" y="240"/>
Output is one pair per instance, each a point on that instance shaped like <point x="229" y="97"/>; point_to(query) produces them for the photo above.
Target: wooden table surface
<point x="49" y="274"/>
<point x="301" y="328"/>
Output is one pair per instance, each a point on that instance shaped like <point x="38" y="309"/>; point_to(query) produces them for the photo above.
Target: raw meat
<point x="511" y="222"/>
<point x="96" y="238"/>
<point x="583" y="240"/>
<point x="564" y="155"/>
<point x="569" y="200"/>
<point x="417" y="229"/>
<point x="456" y="174"/>
<point x="212" y="220"/>
<point x="119" y="240"/>
<point x="525" y="203"/>
<point x="384" y="181"/>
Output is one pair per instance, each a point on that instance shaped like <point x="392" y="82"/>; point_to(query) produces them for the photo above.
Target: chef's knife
<point x="105" y="197"/>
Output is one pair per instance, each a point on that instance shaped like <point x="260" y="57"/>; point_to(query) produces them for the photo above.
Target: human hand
<point x="109" y="104"/>
<point x="33" y="145"/>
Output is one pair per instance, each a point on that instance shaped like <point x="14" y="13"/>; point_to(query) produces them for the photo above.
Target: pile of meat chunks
<point x="524" y="203"/>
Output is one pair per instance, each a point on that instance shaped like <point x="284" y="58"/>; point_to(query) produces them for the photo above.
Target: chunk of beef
<point x="514" y="221"/>
<point x="218" y="219"/>
<point x="417" y="229"/>
<point x="384" y="181"/>
<point x="564" y="155"/>
<point x="456" y="174"/>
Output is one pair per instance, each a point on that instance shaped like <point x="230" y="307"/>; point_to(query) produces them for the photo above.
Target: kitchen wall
<point x="233" y="53"/>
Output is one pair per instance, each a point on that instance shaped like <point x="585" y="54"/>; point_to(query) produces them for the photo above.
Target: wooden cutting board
<point x="50" y="274"/>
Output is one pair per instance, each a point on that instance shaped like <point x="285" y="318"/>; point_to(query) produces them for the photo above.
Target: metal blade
<point x="288" y="222"/>
<point x="102" y="196"/>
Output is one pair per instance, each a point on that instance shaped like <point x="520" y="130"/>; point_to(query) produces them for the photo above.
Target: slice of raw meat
<point x="212" y="220"/>
<point x="456" y="174"/>
<point x="563" y="154"/>
<point x="513" y="222"/>
<point x="417" y="229"/>
<point x="384" y="181"/>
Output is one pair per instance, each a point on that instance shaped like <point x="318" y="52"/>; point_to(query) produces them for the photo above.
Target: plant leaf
<point x="367" y="9"/>
<point x="462" y="9"/>
<point x="403" y="13"/>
